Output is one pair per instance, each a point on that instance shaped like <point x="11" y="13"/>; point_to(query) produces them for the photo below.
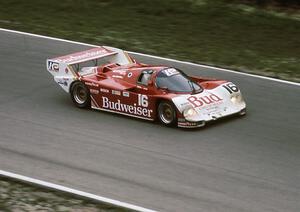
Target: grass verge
<point x="19" y="196"/>
<point x="230" y="35"/>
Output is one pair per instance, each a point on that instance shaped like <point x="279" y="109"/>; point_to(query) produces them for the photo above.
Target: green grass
<point x="233" y="36"/>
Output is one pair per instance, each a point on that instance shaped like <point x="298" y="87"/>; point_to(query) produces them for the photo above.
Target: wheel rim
<point x="80" y="94"/>
<point x="166" y="113"/>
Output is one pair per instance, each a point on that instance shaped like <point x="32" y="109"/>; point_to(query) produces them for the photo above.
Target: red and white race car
<point x="108" y="79"/>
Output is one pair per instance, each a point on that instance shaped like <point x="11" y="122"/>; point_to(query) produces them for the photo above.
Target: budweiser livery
<point x="108" y="79"/>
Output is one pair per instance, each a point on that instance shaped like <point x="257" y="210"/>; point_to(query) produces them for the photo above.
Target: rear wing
<point x="84" y="56"/>
<point x="120" y="57"/>
<point x="65" y="68"/>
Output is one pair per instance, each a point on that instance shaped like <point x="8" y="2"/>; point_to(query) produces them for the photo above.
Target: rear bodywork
<point x="112" y="78"/>
<point x="66" y="69"/>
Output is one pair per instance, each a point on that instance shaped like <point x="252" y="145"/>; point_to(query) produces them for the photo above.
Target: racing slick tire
<point x="80" y="95"/>
<point x="167" y="113"/>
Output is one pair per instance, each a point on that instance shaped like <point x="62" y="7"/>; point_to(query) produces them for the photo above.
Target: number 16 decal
<point x="230" y="87"/>
<point x="142" y="100"/>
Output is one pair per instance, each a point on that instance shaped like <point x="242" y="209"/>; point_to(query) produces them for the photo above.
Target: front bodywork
<point x="197" y="109"/>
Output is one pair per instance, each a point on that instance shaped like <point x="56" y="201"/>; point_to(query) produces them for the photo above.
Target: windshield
<point x="176" y="81"/>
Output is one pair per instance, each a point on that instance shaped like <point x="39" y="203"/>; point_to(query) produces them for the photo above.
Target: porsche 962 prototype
<point x="108" y="79"/>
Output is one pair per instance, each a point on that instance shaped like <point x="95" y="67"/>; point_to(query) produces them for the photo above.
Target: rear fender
<point x="62" y="73"/>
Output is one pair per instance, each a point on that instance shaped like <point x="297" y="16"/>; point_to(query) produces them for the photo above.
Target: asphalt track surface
<point x="241" y="164"/>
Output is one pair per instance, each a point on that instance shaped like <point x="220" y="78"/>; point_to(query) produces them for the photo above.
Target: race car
<point x="108" y="79"/>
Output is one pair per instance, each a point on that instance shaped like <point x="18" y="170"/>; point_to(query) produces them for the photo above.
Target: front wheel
<point x="167" y="113"/>
<point x="80" y="95"/>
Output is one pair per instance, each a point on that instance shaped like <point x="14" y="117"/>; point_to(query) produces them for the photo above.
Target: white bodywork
<point x="64" y="68"/>
<point x="211" y="104"/>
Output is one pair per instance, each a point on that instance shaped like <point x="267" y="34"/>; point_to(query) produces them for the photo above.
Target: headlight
<point x="189" y="112"/>
<point x="236" y="99"/>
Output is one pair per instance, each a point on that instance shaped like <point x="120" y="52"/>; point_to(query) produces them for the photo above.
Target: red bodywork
<point x="116" y="88"/>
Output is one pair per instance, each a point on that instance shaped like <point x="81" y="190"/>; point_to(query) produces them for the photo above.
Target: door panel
<point x="124" y="102"/>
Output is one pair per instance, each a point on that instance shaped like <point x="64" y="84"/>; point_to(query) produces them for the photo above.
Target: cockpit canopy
<point x="175" y="80"/>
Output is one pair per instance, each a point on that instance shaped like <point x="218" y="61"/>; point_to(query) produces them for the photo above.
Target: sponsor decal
<point x="126" y="93"/>
<point x="103" y="90"/>
<point x="62" y="82"/>
<point x="117" y="76"/>
<point x="129" y="74"/>
<point x="204" y="100"/>
<point x="141" y="87"/>
<point x="121" y="72"/>
<point x="114" y="92"/>
<point x="125" y="108"/>
<point x="92" y="84"/>
<point x="72" y="58"/>
<point x="187" y="124"/>
<point x="53" y="66"/>
<point x="170" y="72"/>
<point x="94" y="91"/>
<point x="184" y="104"/>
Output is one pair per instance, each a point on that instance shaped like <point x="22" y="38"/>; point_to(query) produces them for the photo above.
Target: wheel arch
<point x="71" y="85"/>
<point x="169" y="100"/>
<point x="87" y="101"/>
<point x="159" y="100"/>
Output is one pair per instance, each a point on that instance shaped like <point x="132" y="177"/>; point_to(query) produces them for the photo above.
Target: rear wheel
<point x="80" y="95"/>
<point x="167" y="113"/>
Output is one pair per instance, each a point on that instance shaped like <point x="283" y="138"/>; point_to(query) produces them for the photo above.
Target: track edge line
<point x="76" y="192"/>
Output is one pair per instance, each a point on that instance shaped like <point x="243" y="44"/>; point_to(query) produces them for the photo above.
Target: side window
<point x="145" y="77"/>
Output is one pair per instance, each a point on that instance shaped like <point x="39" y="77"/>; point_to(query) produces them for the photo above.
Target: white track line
<point x="157" y="57"/>
<point x="73" y="191"/>
<point x="46" y="37"/>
